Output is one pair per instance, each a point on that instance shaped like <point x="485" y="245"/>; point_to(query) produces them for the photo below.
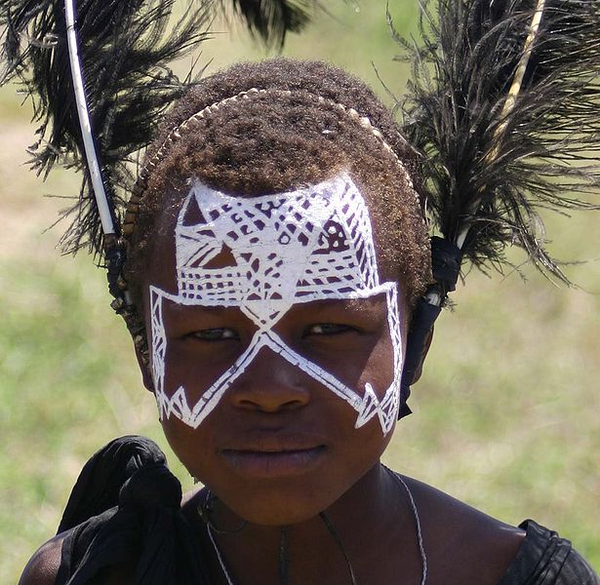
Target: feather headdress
<point x="121" y="52"/>
<point x="504" y="105"/>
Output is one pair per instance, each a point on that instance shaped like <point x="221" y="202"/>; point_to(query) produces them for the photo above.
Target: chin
<point x="278" y="509"/>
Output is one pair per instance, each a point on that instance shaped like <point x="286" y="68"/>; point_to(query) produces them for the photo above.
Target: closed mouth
<point x="271" y="461"/>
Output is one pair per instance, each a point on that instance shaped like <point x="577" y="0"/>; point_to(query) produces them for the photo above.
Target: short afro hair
<point x="273" y="126"/>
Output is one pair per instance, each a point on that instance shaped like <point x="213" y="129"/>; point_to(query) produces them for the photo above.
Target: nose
<point x="270" y="384"/>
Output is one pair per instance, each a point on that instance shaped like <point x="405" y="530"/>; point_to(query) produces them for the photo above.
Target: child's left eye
<point x="327" y="329"/>
<point x="214" y="334"/>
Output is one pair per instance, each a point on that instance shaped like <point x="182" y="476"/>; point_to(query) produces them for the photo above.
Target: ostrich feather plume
<point x="504" y="105"/>
<point x="272" y="19"/>
<point x="125" y="50"/>
<point x="125" y="53"/>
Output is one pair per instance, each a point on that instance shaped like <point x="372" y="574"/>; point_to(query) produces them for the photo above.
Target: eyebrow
<point x="351" y="305"/>
<point x="179" y="308"/>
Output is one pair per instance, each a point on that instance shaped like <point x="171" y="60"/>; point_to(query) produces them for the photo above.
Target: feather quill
<point x="504" y="106"/>
<point x="124" y="53"/>
<point x="93" y="164"/>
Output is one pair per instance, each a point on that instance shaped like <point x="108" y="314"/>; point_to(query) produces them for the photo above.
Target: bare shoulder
<point x="462" y="541"/>
<point x="43" y="566"/>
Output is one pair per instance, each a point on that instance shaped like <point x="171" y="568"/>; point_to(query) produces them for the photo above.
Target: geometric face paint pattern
<point x="287" y="249"/>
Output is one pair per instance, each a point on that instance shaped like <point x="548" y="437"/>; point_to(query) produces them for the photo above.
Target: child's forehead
<point x="267" y="253"/>
<point x="337" y="197"/>
<point x="328" y="219"/>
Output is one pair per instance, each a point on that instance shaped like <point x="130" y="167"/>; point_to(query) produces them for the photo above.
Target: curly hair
<point x="277" y="125"/>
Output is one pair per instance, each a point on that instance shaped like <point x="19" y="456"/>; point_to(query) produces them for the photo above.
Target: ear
<point x="426" y="345"/>
<point x="143" y="359"/>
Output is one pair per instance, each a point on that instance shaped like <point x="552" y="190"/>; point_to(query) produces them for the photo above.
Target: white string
<point x="84" y="122"/>
<point x="218" y="553"/>
<point x="417" y="518"/>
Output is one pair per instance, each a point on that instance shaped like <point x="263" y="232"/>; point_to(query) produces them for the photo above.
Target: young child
<point x="275" y="269"/>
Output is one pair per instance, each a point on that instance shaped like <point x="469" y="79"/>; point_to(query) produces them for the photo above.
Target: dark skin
<point x="246" y="452"/>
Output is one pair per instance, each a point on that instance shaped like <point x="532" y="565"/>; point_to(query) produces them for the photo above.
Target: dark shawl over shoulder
<point x="125" y="507"/>
<point x="546" y="559"/>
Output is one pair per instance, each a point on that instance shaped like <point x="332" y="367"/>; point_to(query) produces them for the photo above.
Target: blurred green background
<point x="507" y="415"/>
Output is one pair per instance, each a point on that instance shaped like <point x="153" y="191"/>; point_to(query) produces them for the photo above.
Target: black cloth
<point x="545" y="558"/>
<point x="125" y="507"/>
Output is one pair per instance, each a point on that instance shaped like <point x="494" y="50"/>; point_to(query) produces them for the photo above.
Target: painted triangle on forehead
<point x="191" y="215"/>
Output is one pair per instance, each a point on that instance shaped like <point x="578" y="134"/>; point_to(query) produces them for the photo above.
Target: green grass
<point x="506" y="415"/>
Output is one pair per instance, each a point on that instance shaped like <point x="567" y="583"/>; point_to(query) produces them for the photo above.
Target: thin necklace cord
<point x="417" y="518"/>
<point x="219" y="556"/>
<point x="284" y="541"/>
<point x="338" y="540"/>
<point x="284" y="556"/>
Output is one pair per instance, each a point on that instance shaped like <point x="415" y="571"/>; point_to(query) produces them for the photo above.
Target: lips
<point x="271" y="455"/>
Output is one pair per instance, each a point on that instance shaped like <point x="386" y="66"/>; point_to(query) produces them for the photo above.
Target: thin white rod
<point x="84" y="122"/>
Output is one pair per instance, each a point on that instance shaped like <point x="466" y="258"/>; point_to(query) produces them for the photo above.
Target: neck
<point x="371" y="507"/>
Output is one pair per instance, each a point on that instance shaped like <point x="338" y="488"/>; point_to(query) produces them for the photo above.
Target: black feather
<point x="125" y="50"/>
<point x="487" y="168"/>
<point x="272" y="19"/>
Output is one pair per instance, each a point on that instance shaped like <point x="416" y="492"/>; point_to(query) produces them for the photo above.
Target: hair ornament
<point x="190" y="123"/>
<point x="503" y="106"/>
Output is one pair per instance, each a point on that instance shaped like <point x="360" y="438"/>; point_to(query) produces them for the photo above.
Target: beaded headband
<point x="122" y="303"/>
<point x="194" y="123"/>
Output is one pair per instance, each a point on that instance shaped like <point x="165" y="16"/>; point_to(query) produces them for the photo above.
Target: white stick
<point x="84" y="122"/>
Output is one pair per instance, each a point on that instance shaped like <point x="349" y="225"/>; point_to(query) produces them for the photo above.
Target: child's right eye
<point x="214" y="334"/>
<point x="328" y="329"/>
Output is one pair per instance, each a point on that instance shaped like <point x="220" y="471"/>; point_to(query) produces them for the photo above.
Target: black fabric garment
<point x="125" y="507"/>
<point x="546" y="559"/>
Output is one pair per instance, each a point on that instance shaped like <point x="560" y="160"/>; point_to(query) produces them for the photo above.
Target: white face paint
<point x="291" y="248"/>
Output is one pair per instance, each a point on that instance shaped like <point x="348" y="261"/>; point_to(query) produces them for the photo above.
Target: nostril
<point x="291" y="404"/>
<point x="272" y="397"/>
<point x="268" y="401"/>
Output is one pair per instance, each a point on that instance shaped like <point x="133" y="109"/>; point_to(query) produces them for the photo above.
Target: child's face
<point x="276" y="351"/>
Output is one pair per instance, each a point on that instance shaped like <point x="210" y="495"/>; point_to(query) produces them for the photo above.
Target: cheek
<point x="195" y="448"/>
<point x="378" y="370"/>
<point x="190" y="369"/>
